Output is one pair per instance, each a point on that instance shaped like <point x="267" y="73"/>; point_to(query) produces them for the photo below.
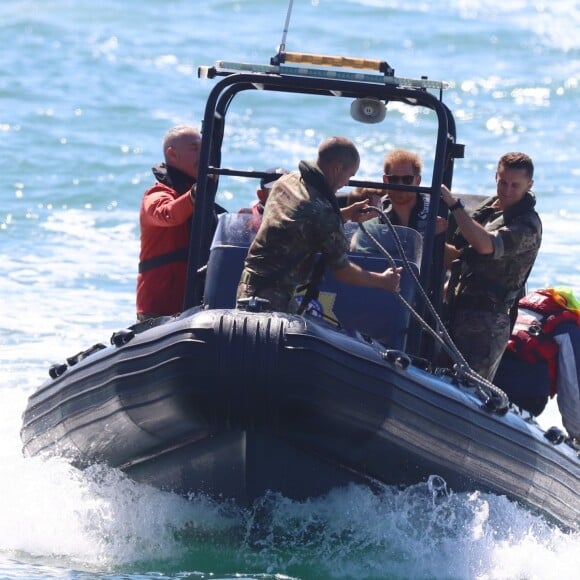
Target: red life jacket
<point x="532" y="339"/>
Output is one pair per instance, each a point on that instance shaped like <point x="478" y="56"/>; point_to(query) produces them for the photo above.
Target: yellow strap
<point x="245" y="277"/>
<point x="325" y="60"/>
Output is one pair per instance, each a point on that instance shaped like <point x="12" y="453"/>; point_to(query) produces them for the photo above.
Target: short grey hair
<point x="338" y="149"/>
<point x="176" y="133"/>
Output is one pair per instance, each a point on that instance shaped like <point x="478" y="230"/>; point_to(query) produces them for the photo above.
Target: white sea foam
<point x="88" y="91"/>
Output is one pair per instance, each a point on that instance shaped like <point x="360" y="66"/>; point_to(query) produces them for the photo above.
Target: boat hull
<point x="234" y="404"/>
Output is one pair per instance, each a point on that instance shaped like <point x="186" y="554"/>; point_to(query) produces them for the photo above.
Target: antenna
<point x="282" y="47"/>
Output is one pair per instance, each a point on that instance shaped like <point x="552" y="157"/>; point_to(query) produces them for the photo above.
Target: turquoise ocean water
<point x="86" y="92"/>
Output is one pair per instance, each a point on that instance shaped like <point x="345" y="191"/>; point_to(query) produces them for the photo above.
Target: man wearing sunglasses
<point x="405" y="207"/>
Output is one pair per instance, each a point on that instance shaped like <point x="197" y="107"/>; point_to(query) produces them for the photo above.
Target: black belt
<point x="482" y="303"/>
<point x="163" y="259"/>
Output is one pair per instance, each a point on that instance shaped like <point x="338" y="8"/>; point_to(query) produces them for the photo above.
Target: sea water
<point x="87" y="90"/>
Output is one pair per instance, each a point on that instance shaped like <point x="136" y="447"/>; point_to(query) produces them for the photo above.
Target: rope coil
<point x="494" y="399"/>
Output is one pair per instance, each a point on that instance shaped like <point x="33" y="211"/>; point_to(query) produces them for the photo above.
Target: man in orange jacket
<point x="164" y="219"/>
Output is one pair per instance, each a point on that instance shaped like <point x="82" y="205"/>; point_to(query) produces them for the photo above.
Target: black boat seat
<point x="371" y="311"/>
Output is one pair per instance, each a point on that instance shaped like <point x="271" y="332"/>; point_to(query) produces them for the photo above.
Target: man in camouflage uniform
<point x="302" y="219"/>
<point x="493" y="252"/>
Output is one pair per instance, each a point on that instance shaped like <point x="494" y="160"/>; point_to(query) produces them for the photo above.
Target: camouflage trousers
<point x="279" y="300"/>
<point x="481" y="337"/>
<point x="142" y="317"/>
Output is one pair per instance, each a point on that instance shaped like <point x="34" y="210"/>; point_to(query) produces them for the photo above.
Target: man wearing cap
<point x="266" y="184"/>
<point x="301" y="220"/>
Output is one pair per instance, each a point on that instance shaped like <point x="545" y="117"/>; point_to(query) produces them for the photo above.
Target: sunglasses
<point x="404" y="179"/>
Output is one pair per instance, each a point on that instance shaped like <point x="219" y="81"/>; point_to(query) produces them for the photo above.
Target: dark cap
<point x="268" y="181"/>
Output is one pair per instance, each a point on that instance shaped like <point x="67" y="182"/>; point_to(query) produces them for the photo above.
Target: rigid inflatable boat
<point x="234" y="402"/>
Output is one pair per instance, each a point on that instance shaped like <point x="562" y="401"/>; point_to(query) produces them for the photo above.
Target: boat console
<point x="348" y="306"/>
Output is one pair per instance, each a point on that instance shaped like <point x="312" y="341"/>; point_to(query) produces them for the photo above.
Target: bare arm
<point x="354" y="213"/>
<point x="479" y="239"/>
<point x="389" y="280"/>
<point x="451" y="253"/>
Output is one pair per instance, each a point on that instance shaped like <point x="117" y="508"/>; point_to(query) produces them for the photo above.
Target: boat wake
<point x="99" y="521"/>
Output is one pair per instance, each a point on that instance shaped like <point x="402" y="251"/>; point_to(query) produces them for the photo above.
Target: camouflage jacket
<point x="301" y="219"/>
<point x="497" y="278"/>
